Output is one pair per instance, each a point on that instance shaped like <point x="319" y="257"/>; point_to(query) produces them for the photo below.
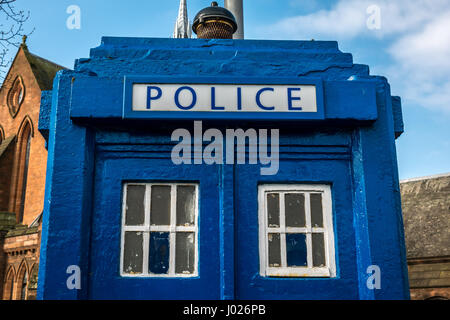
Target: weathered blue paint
<point x="94" y="149"/>
<point x="398" y="116"/>
<point x="44" y="114"/>
<point x="353" y="100"/>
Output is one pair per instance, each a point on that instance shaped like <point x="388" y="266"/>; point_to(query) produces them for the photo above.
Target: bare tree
<point x="11" y="31"/>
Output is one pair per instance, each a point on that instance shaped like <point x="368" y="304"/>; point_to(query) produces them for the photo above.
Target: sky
<point x="407" y="41"/>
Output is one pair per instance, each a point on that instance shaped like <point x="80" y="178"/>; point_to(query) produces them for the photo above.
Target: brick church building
<point x="23" y="159"/>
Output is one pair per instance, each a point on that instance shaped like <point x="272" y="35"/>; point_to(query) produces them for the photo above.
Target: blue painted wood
<point x="44" y="114"/>
<point x="382" y="200"/>
<point x="105" y="281"/>
<point x="68" y="198"/>
<point x="93" y="151"/>
<point x="249" y="283"/>
<point x="398" y="116"/>
<point x="337" y="100"/>
<point x="227" y="233"/>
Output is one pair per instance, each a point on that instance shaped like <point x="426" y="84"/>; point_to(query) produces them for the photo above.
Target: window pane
<point x="296" y="250"/>
<point x="135" y="205"/>
<point x="185" y="205"/>
<point x="132" y="256"/>
<point x="316" y="210"/>
<point x="185" y="253"/>
<point x="23" y="293"/>
<point x="295" y="209"/>
<point x="318" y="250"/>
<point x="273" y="209"/>
<point x="159" y="252"/>
<point x="274" y="250"/>
<point x="160" y="206"/>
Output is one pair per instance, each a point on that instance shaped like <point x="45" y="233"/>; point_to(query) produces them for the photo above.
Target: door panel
<point x="217" y="259"/>
<point x="105" y="279"/>
<point x="249" y="283"/>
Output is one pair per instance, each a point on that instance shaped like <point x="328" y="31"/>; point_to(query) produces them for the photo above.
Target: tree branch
<point x="11" y="32"/>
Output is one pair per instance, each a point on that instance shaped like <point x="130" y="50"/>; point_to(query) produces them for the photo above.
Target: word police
<point x="224" y="98"/>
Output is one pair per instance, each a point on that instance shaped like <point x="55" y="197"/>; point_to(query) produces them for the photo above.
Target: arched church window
<point x="33" y="281"/>
<point x="16" y="96"/>
<point x="24" y="147"/>
<point x="23" y="291"/>
<point x="11" y="289"/>
<point x="2" y="134"/>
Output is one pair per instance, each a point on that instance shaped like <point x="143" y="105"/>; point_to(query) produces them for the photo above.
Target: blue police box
<point x="221" y="169"/>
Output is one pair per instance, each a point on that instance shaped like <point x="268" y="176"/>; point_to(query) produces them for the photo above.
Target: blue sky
<point x="410" y="45"/>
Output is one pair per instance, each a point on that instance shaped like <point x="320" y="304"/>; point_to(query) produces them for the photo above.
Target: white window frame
<point x="330" y="269"/>
<point x="146" y="228"/>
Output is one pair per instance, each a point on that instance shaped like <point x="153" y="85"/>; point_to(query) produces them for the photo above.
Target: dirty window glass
<point x="297" y="235"/>
<point x="160" y="205"/>
<point x="316" y="210"/>
<point x="135" y="205"/>
<point x="160" y="230"/>
<point x="273" y="209"/>
<point x="185" y="205"/>
<point x="274" y="249"/>
<point x="185" y="254"/>
<point x="133" y="252"/>
<point x="295" y="209"/>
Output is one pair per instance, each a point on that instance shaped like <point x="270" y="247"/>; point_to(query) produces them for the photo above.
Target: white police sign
<point x="224" y="98"/>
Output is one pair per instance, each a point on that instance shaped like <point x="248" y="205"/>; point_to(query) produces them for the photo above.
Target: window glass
<point x="296" y="231"/>
<point x="132" y="257"/>
<point x="23" y="292"/>
<point x="296" y="250"/>
<point x="135" y="205"/>
<point x="185" y="205"/>
<point x="11" y="289"/>
<point x="274" y="250"/>
<point x="185" y="253"/>
<point x="295" y="209"/>
<point x="160" y="206"/>
<point x="159" y="252"/>
<point x="273" y="209"/>
<point x="316" y="210"/>
<point x="318" y="245"/>
<point x="160" y="239"/>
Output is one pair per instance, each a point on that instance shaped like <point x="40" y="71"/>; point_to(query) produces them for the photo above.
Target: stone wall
<point x="21" y="248"/>
<point x="426" y="212"/>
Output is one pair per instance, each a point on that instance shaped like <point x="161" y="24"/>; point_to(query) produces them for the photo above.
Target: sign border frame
<point x="129" y="81"/>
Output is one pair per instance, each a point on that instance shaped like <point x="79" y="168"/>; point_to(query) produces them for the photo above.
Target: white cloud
<point x="343" y="20"/>
<point x="347" y="19"/>
<point x="423" y="63"/>
<point x="417" y="33"/>
<point x="429" y="48"/>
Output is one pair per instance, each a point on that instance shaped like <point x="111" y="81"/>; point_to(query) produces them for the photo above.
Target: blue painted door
<point x="229" y="255"/>
<point x="324" y="170"/>
<point x="105" y="280"/>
